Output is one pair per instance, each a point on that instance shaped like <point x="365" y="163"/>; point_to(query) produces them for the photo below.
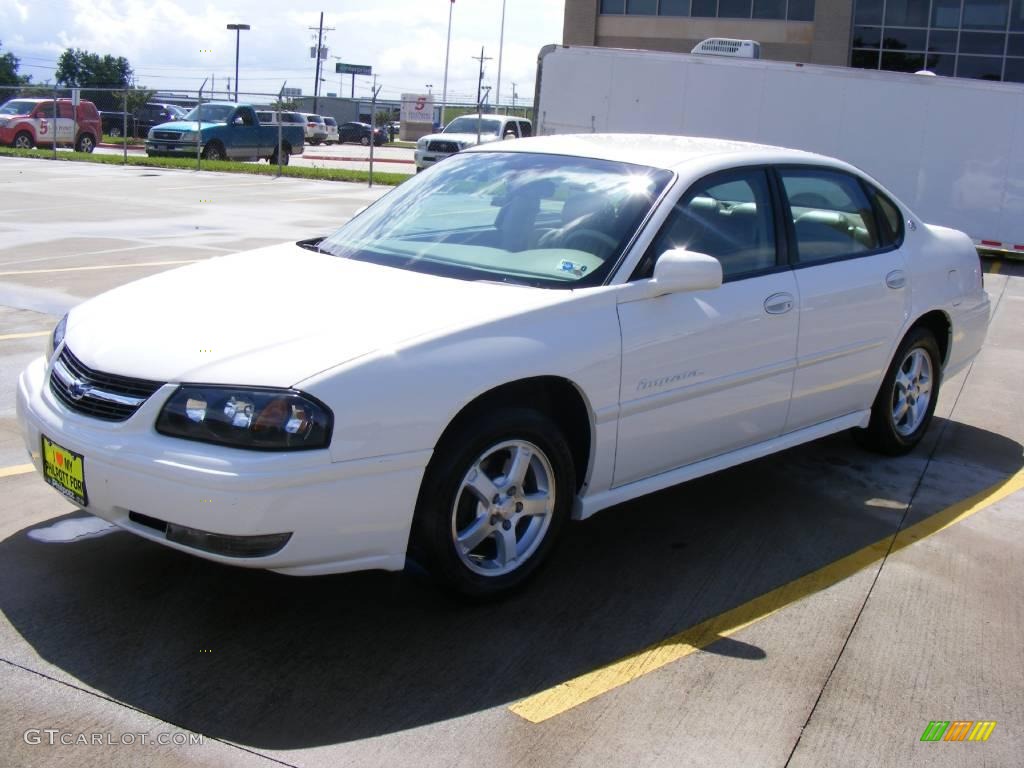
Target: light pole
<point x="501" y="51"/>
<point x="428" y="86"/>
<point x="238" y="39"/>
<point x="447" y="51"/>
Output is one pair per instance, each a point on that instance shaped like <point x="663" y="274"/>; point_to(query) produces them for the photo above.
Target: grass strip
<point x="222" y="166"/>
<point x="107" y="139"/>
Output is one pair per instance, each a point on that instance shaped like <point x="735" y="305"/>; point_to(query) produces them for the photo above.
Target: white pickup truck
<point x="468" y="131"/>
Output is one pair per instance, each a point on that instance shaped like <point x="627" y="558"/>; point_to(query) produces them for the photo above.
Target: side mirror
<point x="238" y="121"/>
<point x="679" y="270"/>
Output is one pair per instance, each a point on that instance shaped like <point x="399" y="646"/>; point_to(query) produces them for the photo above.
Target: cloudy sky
<point x="174" y="44"/>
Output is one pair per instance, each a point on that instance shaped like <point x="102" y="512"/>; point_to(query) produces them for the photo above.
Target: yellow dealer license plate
<point x="65" y="471"/>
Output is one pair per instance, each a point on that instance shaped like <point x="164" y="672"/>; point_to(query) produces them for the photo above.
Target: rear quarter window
<point x="890" y="219"/>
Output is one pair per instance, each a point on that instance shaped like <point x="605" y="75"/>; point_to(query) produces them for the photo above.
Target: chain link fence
<point x="201" y="127"/>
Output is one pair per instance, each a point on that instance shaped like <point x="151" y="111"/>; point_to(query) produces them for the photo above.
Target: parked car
<point x="462" y="132"/>
<point x="144" y="118"/>
<point x="360" y="133"/>
<point x="224" y="131"/>
<point x="27" y="123"/>
<point x="332" y="130"/>
<point x="269" y="117"/>
<point x="533" y="331"/>
<point x="316" y="128"/>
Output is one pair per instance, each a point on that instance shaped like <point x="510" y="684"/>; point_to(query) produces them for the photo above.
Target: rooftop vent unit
<point x="725" y="46"/>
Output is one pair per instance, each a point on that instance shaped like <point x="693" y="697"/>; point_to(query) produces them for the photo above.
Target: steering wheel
<point x="584" y="235"/>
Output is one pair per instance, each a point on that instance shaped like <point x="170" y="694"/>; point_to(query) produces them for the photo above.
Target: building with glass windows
<point x="962" y="38"/>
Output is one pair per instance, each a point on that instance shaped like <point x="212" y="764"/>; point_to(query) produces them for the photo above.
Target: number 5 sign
<point x="417" y="108"/>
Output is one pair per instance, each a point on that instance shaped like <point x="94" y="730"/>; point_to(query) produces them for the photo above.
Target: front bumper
<point x="425" y="158"/>
<point x="343" y="516"/>
<point x="172" y="148"/>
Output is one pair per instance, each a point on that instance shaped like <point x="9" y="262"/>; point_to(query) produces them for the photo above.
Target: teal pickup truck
<point x="224" y="131"/>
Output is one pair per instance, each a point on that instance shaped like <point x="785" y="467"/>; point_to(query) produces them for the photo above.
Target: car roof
<point x="487" y="116"/>
<point x="668" y="152"/>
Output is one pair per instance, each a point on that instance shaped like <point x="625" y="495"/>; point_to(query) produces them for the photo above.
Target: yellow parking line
<point x="20" y="469"/>
<point x="563" y="697"/>
<point x="101" y="266"/>
<point x="995" y="267"/>
<point x="33" y="334"/>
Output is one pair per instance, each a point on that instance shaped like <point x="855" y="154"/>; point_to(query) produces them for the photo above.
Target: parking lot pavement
<point x="763" y="616"/>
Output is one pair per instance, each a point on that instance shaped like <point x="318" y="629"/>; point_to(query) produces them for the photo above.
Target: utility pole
<point x="479" y="85"/>
<point x="319" y="58"/>
<point x="514" y="95"/>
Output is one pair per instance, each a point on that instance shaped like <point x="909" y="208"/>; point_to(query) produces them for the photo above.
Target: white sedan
<point x="529" y="332"/>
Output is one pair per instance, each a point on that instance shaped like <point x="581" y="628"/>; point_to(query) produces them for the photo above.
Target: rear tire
<point x="86" y="143"/>
<point x="905" y="402"/>
<point x="286" y="151"/>
<point x="23" y="141"/>
<point x="365" y="141"/>
<point x="484" y="547"/>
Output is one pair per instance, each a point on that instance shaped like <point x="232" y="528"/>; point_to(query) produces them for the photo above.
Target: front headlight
<point x="188" y="135"/>
<point x="57" y="336"/>
<point x="250" y="418"/>
<point x="421" y="144"/>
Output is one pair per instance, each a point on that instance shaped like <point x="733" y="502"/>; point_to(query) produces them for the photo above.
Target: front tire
<point x="365" y="141"/>
<point x="493" y="501"/>
<point x="23" y="141"/>
<point x="905" y="403"/>
<point x="214" y="151"/>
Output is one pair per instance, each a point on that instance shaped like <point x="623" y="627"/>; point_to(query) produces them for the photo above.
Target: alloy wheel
<point x="503" y="508"/>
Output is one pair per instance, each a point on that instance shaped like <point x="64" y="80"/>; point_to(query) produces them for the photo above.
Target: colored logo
<point x="958" y="730"/>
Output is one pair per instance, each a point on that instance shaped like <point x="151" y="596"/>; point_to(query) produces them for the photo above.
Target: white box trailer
<point x="952" y="149"/>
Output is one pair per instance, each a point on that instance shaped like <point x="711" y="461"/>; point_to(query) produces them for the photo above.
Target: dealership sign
<point x="417" y="108"/>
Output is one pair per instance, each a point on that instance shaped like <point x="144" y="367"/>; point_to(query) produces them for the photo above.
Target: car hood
<point x="184" y="125"/>
<point x="462" y="138"/>
<point x="276" y="316"/>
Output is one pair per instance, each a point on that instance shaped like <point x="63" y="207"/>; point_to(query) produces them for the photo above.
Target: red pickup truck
<point x="27" y="123"/>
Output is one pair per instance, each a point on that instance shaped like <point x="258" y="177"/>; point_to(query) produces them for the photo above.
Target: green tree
<point x="9" y="72"/>
<point x="81" y="69"/>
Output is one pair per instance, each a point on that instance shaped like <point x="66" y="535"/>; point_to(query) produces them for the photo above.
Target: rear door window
<point x="831" y="214"/>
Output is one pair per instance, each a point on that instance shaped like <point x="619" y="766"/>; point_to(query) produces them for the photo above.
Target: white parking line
<point x="81" y="253"/>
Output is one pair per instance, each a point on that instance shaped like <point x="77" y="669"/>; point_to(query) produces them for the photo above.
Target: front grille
<point x="442" y="146"/>
<point x="104" y="396"/>
<point x="167" y="135"/>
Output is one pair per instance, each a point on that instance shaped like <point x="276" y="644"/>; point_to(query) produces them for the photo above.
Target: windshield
<point x="176" y="112"/>
<point x="16" y="107"/>
<point x="543" y="220"/>
<point x="467" y="124"/>
<point x="211" y="113"/>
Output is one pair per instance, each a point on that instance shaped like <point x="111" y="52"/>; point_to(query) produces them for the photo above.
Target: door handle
<point x="896" y="279"/>
<point x="778" y="303"/>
